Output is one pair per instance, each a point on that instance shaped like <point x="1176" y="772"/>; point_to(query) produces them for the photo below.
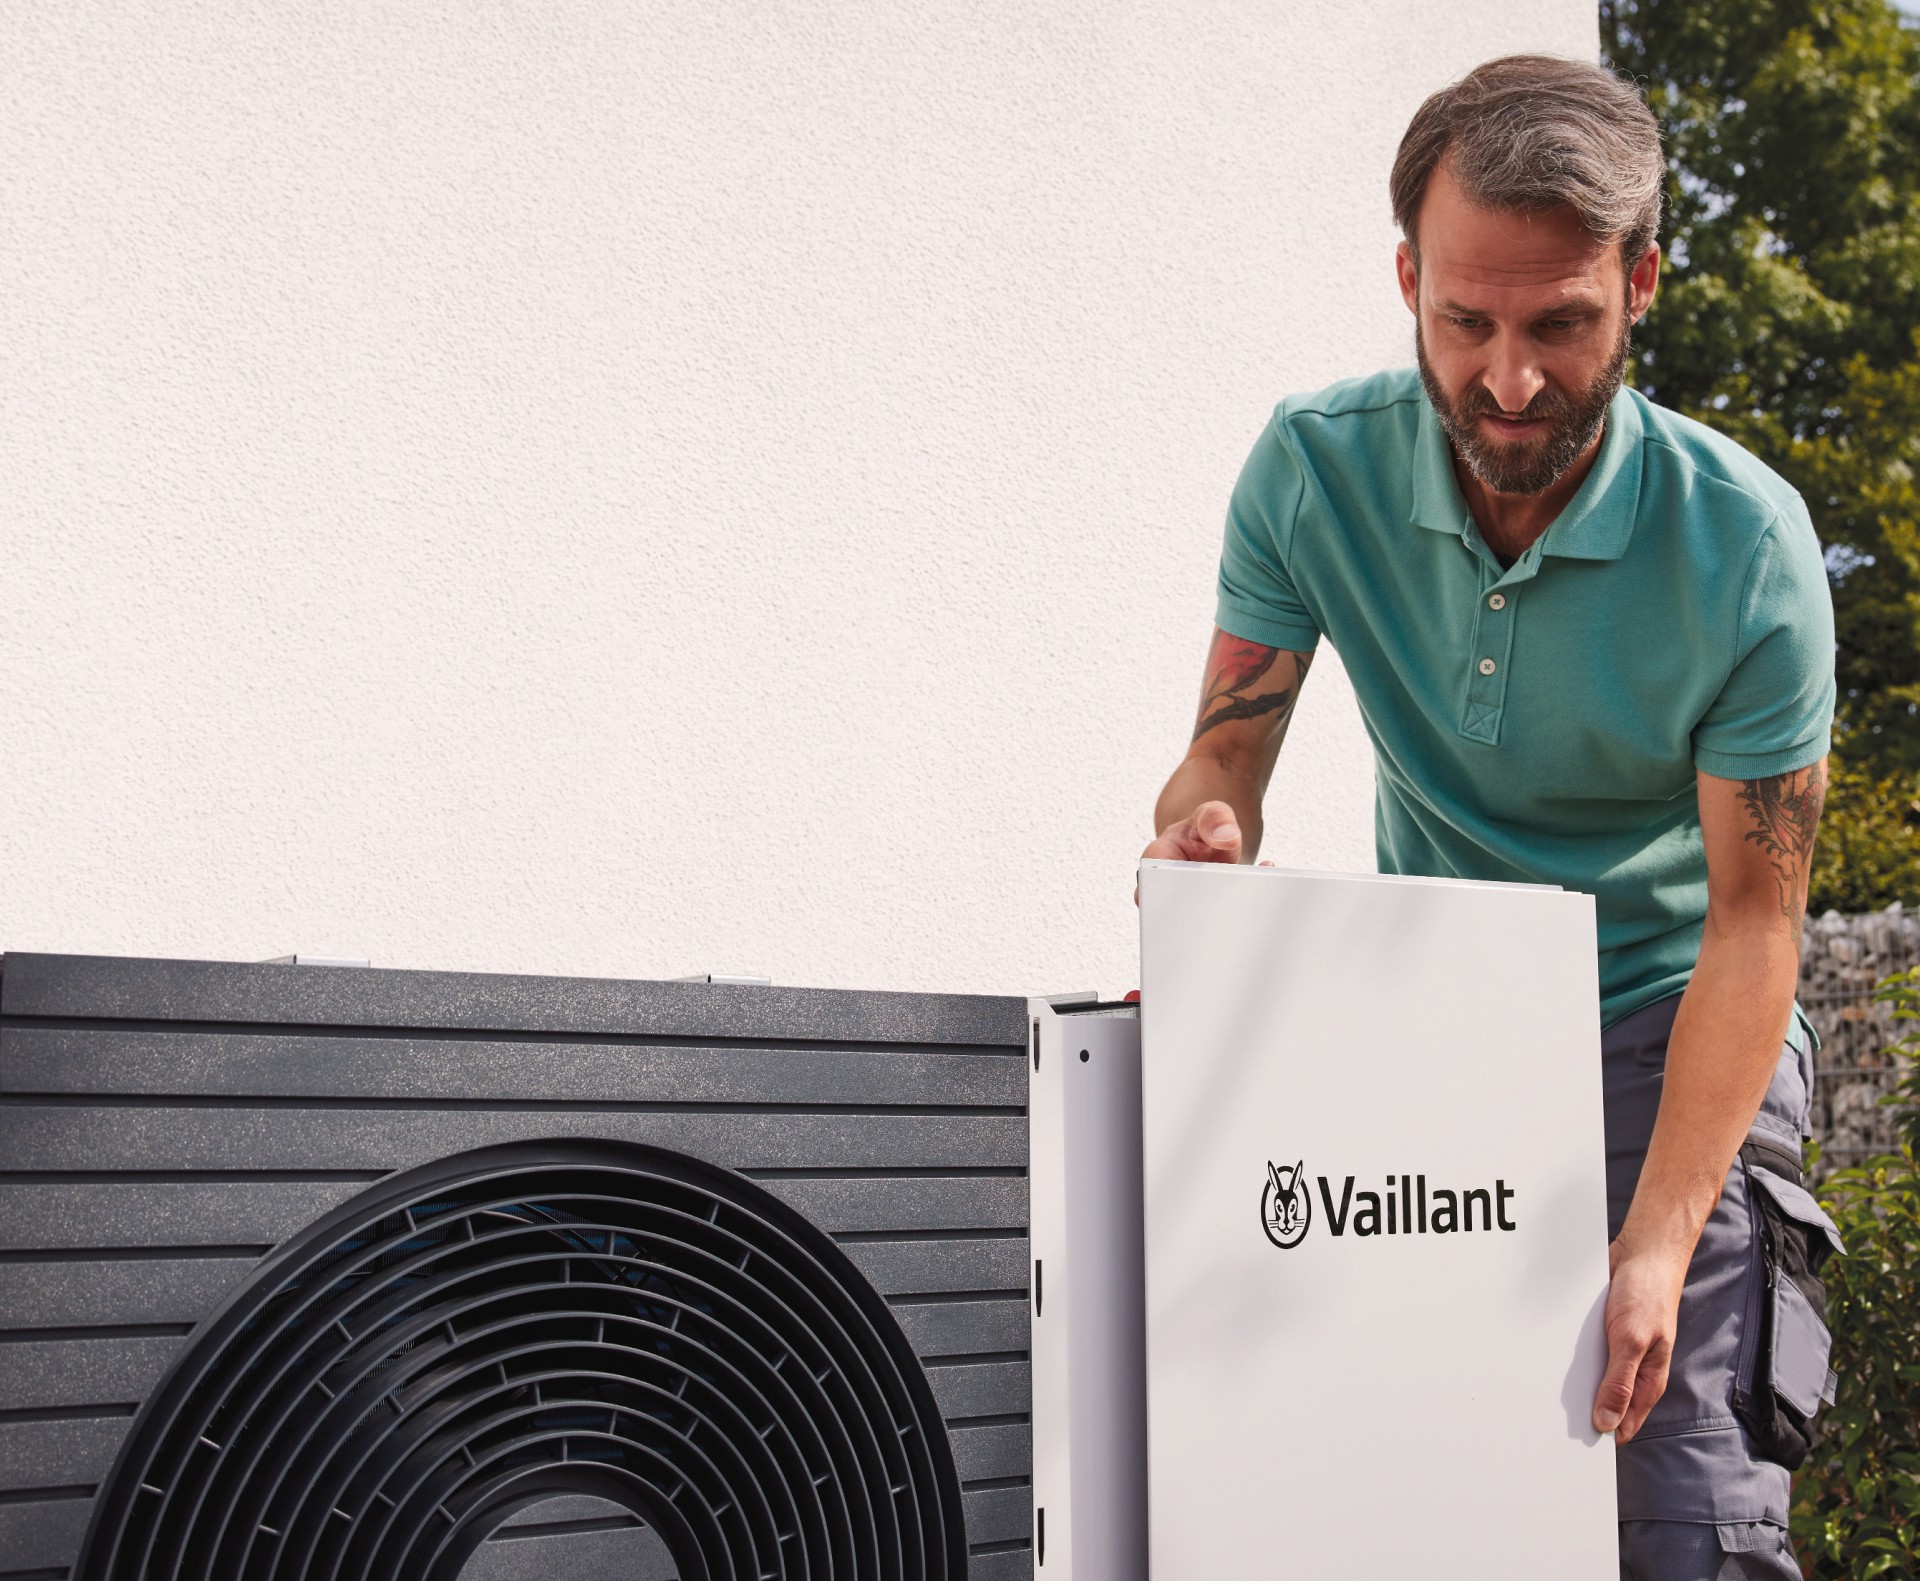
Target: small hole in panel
<point x="1084" y="1056"/>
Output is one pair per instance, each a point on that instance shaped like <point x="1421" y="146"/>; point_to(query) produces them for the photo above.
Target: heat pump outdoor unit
<point x="407" y="1276"/>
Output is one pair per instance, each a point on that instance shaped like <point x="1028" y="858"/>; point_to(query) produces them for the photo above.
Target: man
<point x="1593" y="646"/>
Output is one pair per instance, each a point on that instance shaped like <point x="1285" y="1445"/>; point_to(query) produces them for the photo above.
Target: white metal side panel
<point x="1089" y="1361"/>
<point x="1343" y="1379"/>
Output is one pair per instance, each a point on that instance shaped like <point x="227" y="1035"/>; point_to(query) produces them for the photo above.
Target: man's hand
<point x="1643" y="1312"/>
<point x="1210" y="809"/>
<point x="1210" y="833"/>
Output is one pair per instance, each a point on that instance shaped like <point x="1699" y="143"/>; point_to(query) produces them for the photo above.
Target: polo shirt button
<point x="1487" y="666"/>
<point x="1497" y="601"/>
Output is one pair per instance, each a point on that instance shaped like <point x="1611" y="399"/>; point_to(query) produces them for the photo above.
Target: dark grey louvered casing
<point x="330" y="1258"/>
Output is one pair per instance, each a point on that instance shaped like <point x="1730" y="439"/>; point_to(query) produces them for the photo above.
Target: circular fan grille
<point x="471" y="1338"/>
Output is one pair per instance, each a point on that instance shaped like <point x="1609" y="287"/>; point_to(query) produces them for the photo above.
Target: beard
<point x="1536" y="465"/>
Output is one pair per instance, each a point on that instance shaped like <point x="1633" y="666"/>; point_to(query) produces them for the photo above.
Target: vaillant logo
<point x="1406" y="1207"/>
<point x="1286" y="1208"/>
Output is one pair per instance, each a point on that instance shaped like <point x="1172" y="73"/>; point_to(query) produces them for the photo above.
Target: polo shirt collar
<point x="1598" y="521"/>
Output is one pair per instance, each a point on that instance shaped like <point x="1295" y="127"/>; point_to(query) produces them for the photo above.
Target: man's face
<point x="1522" y="324"/>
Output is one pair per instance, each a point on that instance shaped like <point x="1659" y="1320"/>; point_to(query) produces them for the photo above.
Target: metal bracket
<point x="1088" y="1338"/>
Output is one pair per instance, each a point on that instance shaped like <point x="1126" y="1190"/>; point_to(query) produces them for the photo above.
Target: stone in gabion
<point x="1841" y="960"/>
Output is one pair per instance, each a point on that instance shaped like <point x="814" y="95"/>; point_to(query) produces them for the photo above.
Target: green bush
<point x="1868" y="853"/>
<point x="1856" y="1512"/>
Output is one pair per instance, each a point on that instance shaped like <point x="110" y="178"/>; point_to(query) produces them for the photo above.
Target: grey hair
<point x="1527" y="133"/>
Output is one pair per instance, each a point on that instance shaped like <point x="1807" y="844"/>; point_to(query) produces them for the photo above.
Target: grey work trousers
<point x="1696" y="1502"/>
<point x="1694" y="1551"/>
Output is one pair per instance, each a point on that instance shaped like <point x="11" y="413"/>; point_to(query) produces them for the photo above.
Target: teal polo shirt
<point x="1541" y="723"/>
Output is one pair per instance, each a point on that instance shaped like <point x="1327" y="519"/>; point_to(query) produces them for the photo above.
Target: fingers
<point x="1648" y="1385"/>
<point x="1210" y="833"/>
<point x="1643" y="1309"/>
<point x="1636" y="1377"/>
<point x="1166" y="847"/>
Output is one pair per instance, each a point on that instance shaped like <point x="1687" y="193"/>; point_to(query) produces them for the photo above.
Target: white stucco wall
<point x="633" y="489"/>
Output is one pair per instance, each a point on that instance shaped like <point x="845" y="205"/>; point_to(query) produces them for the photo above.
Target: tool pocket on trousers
<point x="1784" y="1376"/>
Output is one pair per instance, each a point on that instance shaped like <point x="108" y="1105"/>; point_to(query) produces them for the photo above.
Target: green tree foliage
<point x="1856" y="1512"/>
<point x="1868" y="854"/>
<point x="1789" y="318"/>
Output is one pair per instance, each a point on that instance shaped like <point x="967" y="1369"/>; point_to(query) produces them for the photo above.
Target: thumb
<point x="1615" y="1394"/>
<point x="1215" y="824"/>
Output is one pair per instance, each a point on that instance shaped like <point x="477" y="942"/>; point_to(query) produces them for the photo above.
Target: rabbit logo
<point x="1286" y="1209"/>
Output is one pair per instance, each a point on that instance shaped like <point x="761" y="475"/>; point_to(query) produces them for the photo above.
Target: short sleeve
<point x="1258" y="600"/>
<point x="1775" y="712"/>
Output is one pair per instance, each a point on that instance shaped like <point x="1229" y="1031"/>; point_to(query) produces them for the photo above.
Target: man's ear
<point x="1408" y="269"/>
<point x="1642" y="283"/>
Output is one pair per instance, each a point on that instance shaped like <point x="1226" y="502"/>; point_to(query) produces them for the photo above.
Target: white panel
<point x="1325" y="1402"/>
<point x="1089" y="1362"/>
<point x="605" y="487"/>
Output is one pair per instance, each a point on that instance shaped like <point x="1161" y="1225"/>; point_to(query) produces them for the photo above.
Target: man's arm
<point x="1210" y="809"/>
<point x="1725" y="1046"/>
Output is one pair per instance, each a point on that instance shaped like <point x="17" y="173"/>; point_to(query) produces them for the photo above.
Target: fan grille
<point x="476" y="1336"/>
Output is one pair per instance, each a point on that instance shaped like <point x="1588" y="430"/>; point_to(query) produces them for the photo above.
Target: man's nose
<point x="1513" y="378"/>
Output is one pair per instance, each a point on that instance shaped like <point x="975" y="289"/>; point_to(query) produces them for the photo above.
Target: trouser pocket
<point x="1784" y="1377"/>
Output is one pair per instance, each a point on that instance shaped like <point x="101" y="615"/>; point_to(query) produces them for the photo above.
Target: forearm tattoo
<point x="1236" y="671"/>
<point x="1785" y="811"/>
